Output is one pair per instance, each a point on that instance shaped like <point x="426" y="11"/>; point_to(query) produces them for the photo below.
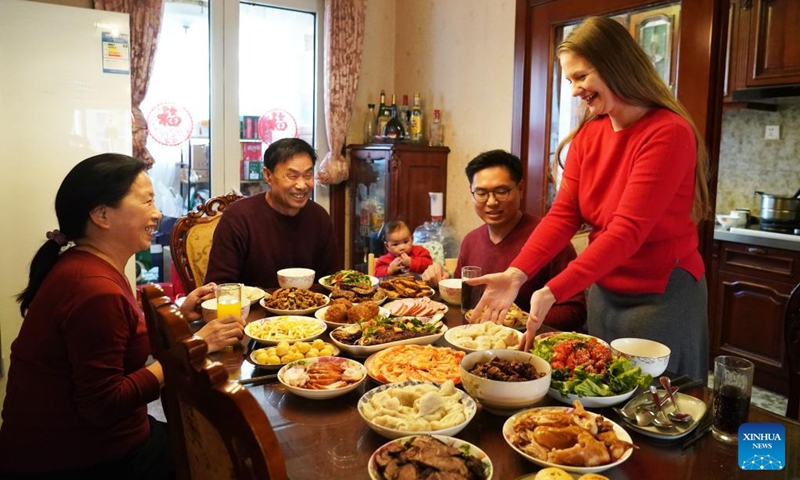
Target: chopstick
<point x="252" y="381"/>
<point x="700" y="431"/>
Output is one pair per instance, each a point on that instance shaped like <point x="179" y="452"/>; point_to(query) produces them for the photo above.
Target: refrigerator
<point x="64" y="96"/>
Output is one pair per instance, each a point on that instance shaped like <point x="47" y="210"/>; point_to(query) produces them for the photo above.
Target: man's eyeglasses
<point x="481" y="195"/>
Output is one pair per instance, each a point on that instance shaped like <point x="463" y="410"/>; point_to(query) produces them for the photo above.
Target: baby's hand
<point x="405" y="259"/>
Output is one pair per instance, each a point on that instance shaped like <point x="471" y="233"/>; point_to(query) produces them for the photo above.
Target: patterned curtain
<point x="145" y="19"/>
<point x="344" y="41"/>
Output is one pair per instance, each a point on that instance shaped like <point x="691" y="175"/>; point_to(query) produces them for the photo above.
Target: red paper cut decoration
<point x="275" y="125"/>
<point x="169" y="124"/>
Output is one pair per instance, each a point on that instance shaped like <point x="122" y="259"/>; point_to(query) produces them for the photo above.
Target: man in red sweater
<point x="495" y="179"/>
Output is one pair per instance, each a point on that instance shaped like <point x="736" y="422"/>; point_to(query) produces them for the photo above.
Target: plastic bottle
<point x="437" y="131"/>
<point x="370" y="124"/>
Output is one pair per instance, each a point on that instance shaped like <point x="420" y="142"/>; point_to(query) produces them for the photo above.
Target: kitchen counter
<point x="754" y="236"/>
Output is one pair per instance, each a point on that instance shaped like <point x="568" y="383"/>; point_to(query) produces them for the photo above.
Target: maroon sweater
<point x="478" y="250"/>
<point x="77" y="389"/>
<point x="253" y="241"/>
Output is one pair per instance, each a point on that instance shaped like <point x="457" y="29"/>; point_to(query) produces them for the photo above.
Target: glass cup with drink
<point x="229" y="302"/>
<point x="470" y="295"/>
<point x="733" y="382"/>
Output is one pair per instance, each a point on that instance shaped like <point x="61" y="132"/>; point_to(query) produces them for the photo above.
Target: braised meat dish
<point x="425" y="457"/>
<point x="506" y="370"/>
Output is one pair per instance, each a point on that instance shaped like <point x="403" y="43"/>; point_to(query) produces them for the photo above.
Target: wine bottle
<point x="404" y="112"/>
<point x="370" y="124"/>
<point x="415" y="134"/>
<point x="437" y="131"/>
<point x="384" y="114"/>
<point x="393" y="130"/>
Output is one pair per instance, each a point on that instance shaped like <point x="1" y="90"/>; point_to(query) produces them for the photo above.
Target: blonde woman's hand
<point x="222" y="332"/>
<point x="501" y="291"/>
<point x="191" y="306"/>
<point x="434" y="273"/>
<point x="541" y="302"/>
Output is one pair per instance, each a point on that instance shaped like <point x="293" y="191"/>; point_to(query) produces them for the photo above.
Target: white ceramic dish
<point x="320" y="314"/>
<point x="254" y="294"/>
<point x="468" y="448"/>
<point x="296" y="277"/>
<point x="651" y="356"/>
<point x="687" y="403"/>
<point x="323" y="394"/>
<point x="462" y="332"/>
<point x="466" y="401"/>
<point x="413" y="362"/>
<point x="591" y="402"/>
<point x="415" y="307"/>
<point x="324" y="281"/>
<point x="305" y="311"/>
<point x="278" y="366"/>
<point x="365" y="351"/>
<point x="508" y="433"/>
<point x="314" y="327"/>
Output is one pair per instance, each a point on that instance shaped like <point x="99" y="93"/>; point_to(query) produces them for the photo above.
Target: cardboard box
<point x="252" y="170"/>
<point x="200" y="157"/>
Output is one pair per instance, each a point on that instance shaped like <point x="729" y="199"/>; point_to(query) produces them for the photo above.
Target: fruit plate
<point x="508" y="435"/>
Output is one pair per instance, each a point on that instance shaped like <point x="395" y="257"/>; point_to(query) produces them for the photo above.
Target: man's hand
<point x="434" y="274"/>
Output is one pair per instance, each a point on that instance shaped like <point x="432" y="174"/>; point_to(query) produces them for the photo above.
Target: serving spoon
<point x="675" y="415"/>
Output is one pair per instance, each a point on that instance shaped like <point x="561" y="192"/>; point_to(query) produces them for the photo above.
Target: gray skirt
<point x="678" y="318"/>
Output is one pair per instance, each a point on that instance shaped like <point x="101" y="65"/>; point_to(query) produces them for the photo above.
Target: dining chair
<point x="792" y="339"/>
<point x="191" y="238"/>
<point x="217" y="428"/>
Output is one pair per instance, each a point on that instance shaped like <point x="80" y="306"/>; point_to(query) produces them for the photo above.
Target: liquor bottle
<point x="416" y="121"/>
<point x="405" y="114"/>
<point x="393" y="130"/>
<point x="384" y="114"/>
<point x="437" y="131"/>
<point x="370" y="124"/>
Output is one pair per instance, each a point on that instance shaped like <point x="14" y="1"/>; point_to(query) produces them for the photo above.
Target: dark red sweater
<point x="77" y="389"/>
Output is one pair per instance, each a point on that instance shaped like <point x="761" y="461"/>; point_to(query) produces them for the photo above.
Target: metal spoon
<point x="642" y="415"/>
<point x="675" y="415"/>
<point x="660" y="420"/>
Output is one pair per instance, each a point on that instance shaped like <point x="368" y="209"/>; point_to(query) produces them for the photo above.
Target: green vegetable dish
<point x="349" y="277"/>
<point x="583" y="365"/>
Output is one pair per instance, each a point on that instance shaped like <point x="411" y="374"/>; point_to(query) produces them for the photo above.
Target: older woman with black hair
<point x="78" y="387"/>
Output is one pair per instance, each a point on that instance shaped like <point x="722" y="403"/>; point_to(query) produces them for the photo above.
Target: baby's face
<point x="399" y="242"/>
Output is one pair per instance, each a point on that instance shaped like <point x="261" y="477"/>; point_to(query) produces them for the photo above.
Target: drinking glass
<point x="229" y="300"/>
<point x="733" y="383"/>
<point x="470" y="295"/>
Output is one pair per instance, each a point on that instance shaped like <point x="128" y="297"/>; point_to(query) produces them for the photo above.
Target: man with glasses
<point x="495" y="179"/>
<point x="261" y="234"/>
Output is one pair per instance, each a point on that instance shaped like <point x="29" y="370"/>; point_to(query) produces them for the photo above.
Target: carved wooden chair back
<point x="224" y="432"/>
<point x="792" y="339"/>
<point x="191" y="239"/>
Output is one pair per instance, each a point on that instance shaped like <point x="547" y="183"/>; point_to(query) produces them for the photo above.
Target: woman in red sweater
<point x="78" y="388"/>
<point x="636" y="174"/>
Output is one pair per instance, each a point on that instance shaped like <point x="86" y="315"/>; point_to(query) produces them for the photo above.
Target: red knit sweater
<point x="420" y="260"/>
<point x="634" y="188"/>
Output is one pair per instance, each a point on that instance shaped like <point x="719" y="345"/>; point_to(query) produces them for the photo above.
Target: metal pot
<point x="780" y="208"/>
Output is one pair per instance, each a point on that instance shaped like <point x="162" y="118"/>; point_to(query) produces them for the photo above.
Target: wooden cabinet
<point x="389" y="181"/>
<point x="763" y="44"/>
<point x="749" y="289"/>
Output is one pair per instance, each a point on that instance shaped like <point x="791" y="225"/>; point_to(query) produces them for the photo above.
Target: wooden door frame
<point x="701" y="62"/>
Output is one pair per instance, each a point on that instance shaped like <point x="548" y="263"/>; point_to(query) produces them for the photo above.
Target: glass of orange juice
<point x="229" y="300"/>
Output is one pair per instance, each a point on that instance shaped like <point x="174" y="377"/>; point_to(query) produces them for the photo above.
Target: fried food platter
<point x="406" y="287"/>
<point x="322" y="315"/>
<point x="294" y="301"/>
<point x="581" y="458"/>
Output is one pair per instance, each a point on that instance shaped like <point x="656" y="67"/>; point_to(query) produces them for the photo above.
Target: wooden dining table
<point x="328" y="439"/>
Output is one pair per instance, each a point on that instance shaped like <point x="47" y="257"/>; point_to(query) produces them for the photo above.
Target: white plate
<point x="365" y="351"/>
<point x="591" y="402"/>
<point x="687" y="403"/>
<point x="315" y="326"/>
<point x="456" y="332"/>
<point x="424" y="305"/>
<point x="323" y="281"/>
<point x="320" y="314"/>
<point x="410" y="374"/>
<point x="278" y="366"/>
<point x="323" y="394"/>
<point x="587" y="336"/>
<point x="466" y="401"/>
<point x="305" y="311"/>
<point x="254" y="294"/>
<point x="468" y="448"/>
<point x="508" y="433"/>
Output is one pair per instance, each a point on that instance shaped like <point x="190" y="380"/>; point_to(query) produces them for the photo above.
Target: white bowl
<point x="505" y="398"/>
<point x="209" y="308"/>
<point x="650" y="355"/>
<point x="450" y="290"/>
<point x="467" y="403"/>
<point x="460" y="445"/>
<point x="732" y="219"/>
<point x="288" y="328"/>
<point x="323" y="393"/>
<point x="296" y="277"/>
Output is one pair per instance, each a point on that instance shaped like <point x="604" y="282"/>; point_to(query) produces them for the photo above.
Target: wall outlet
<point x="772" y="132"/>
